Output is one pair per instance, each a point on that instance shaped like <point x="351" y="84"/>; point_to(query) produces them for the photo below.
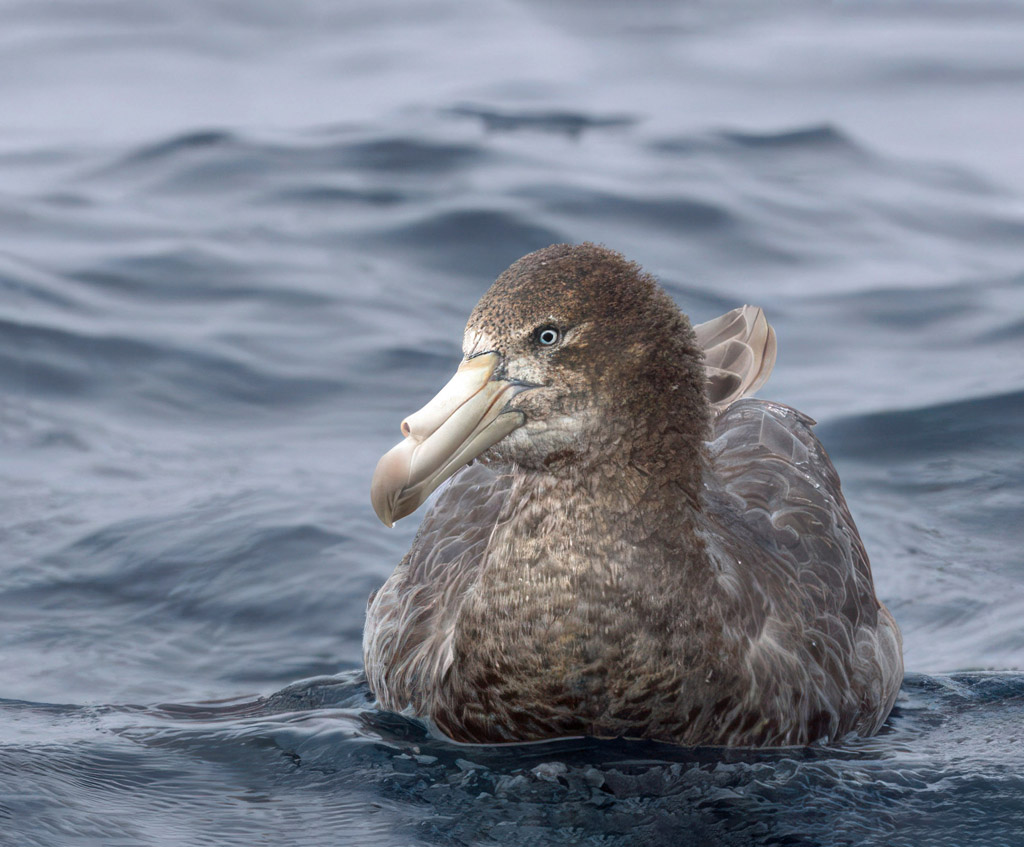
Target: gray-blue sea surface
<point x="238" y="243"/>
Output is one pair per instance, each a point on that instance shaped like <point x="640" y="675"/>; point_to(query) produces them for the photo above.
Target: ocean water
<point x="238" y="243"/>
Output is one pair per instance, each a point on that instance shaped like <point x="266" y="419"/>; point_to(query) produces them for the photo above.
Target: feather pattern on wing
<point x="786" y="544"/>
<point x="411" y="619"/>
<point x="739" y="354"/>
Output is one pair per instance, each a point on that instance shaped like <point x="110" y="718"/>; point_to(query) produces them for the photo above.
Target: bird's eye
<point x="546" y="336"/>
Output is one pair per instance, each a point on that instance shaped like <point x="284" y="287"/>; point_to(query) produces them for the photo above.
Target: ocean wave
<point x="961" y="427"/>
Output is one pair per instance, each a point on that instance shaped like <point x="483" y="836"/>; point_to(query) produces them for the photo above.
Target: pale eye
<point x="547" y="336"/>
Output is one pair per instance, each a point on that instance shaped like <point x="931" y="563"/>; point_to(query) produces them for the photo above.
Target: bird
<point x="628" y="544"/>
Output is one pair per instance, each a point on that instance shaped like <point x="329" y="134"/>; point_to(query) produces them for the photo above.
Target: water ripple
<point x="320" y="739"/>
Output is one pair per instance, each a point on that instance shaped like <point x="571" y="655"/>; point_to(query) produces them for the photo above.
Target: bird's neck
<point x="636" y="498"/>
<point x="623" y="522"/>
<point x="636" y="468"/>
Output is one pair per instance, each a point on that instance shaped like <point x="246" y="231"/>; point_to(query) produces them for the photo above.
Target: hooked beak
<point x="466" y="417"/>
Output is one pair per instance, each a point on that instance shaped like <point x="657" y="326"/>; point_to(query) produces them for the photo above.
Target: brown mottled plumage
<point x="646" y="554"/>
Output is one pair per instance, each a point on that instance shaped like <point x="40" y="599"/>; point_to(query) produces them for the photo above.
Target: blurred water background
<point x="238" y="242"/>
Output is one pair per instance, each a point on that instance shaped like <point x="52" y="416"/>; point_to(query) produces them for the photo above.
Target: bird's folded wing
<point x="739" y="354"/>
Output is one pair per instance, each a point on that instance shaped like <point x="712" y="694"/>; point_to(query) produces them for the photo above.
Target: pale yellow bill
<point x="465" y="418"/>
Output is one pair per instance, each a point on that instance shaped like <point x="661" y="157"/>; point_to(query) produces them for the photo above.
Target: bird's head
<point x="569" y="349"/>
